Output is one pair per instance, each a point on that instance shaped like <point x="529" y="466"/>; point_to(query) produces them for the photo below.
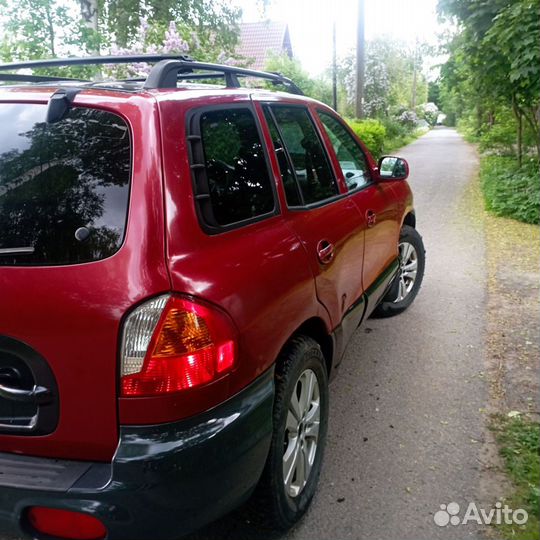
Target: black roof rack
<point x="168" y="70"/>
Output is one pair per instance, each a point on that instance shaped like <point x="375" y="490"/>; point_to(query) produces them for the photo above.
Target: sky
<point x="310" y="24"/>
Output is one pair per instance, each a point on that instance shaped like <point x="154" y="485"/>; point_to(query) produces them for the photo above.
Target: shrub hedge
<point x="510" y="191"/>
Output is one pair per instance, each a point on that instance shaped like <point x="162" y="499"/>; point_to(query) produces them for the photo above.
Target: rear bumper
<point x="164" y="481"/>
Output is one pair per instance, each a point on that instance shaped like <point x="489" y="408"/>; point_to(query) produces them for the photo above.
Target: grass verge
<point x="510" y="191"/>
<point x="519" y="446"/>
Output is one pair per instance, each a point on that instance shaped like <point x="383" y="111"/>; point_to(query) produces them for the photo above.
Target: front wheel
<point x="412" y="260"/>
<point x="300" y="419"/>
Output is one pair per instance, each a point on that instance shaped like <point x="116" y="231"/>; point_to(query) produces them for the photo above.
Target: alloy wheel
<point x="408" y="267"/>
<point x="301" y="433"/>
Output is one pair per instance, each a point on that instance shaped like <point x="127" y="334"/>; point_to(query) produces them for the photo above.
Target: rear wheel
<point x="294" y="462"/>
<point x="409" y="277"/>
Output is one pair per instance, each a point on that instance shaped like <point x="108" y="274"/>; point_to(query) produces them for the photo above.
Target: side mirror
<point x="393" y="168"/>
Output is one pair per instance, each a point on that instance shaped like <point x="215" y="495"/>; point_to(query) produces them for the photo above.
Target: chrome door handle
<point x="325" y="251"/>
<point x="371" y="218"/>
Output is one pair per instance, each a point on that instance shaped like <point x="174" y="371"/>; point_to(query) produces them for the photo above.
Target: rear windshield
<point x="64" y="187"/>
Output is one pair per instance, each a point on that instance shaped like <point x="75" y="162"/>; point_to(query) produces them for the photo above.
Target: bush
<point x="429" y="112"/>
<point x="398" y="134"/>
<point x="394" y="130"/>
<point x="408" y="118"/>
<point x="500" y="138"/>
<point x="510" y="191"/>
<point x="372" y="133"/>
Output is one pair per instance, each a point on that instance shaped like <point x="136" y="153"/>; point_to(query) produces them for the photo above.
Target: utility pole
<point x="360" y="59"/>
<point x="415" y="75"/>
<point x="334" y="67"/>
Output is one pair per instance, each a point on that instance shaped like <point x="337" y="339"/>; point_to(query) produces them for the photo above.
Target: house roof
<point x="258" y="39"/>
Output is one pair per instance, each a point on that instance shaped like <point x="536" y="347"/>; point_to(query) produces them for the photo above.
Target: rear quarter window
<point x="231" y="178"/>
<point x="64" y="187"/>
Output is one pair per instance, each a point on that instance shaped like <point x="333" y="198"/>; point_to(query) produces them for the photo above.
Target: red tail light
<point x="65" y="524"/>
<point x="171" y="344"/>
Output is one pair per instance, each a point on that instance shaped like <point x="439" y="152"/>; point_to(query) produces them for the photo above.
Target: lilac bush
<point x="408" y="119"/>
<point x="172" y="43"/>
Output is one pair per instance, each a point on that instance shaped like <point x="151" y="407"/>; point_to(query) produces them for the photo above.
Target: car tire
<point x="281" y="499"/>
<point x="403" y="291"/>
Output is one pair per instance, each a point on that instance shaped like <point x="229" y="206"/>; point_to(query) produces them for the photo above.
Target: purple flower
<point x="173" y="40"/>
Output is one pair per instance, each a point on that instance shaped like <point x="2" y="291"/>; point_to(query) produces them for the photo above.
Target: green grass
<point x="510" y="191"/>
<point x="519" y="445"/>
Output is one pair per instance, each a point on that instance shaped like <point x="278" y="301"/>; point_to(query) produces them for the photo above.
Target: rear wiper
<point x="17" y="251"/>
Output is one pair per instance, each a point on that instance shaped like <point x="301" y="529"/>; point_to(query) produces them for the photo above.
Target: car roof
<point x="123" y="92"/>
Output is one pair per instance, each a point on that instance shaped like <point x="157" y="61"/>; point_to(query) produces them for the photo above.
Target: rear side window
<point x="287" y="176"/>
<point x="236" y="173"/>
<point x="351" y="158"/>
<point x="307" y="154"/>
<point x="64" y="187"/>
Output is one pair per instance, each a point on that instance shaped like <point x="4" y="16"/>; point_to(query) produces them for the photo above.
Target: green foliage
<point x="372" y="133"/>
<point x="384" y="136"/>
<point x="394" y="128"/>
<point x="519" y="446"/>
<point x="494" y="62"/>
<point x="434" y="93"/>
<point x="35" y="29"/>
<point x="510" y="191"/>
<point x="316" y="88"/>
<point x="498" y="136"/>
<point x="398" y="134"/>
<point x="388" y="78"/>
<point x="209" y="18"/>
<point x="48" y="28"/>
<point x="501" y="136"/>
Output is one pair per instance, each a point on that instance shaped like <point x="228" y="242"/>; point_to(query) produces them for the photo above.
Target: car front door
<point x="318" y="209"/>
<point x="375" y="201"/>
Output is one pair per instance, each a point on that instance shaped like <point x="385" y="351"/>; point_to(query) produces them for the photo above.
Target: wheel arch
<point x="316" y="329"/>
<point x="410" y="219"/>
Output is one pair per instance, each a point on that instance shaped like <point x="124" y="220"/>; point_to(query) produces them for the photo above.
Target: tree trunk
<point x="520" y="140"/>
<point x="479" y="118"/>
<point x="50" y="27"/>
<point x="531" y="116"/>
<point x="491" y="119"/>
<point x="334" y="67"/>
<point x="89" y="16"/>
<point x="415" y="77"/>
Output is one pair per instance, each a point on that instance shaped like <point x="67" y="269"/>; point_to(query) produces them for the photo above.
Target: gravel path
<point x="406" y="420"/>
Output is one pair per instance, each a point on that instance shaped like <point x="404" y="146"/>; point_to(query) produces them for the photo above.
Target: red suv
<point x="181" y="267"/>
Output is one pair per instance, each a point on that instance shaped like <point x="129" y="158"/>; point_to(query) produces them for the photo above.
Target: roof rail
<point x="168" y="70"/>
<point x="19" y="77"/>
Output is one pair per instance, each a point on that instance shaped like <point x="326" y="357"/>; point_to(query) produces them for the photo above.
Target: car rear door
<point x="319" y="211"/>
<point x="228" y="241"/>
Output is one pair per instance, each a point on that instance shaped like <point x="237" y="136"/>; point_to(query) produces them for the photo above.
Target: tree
<point x="434" y="92"/>
<point x="318" y="88"/>
<point x="388" y="81"/>
<point x="48" y="28"/>
<point x="36" y="29"/>
<point x="516" y="33"/>
<point x="494" y="62"/>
